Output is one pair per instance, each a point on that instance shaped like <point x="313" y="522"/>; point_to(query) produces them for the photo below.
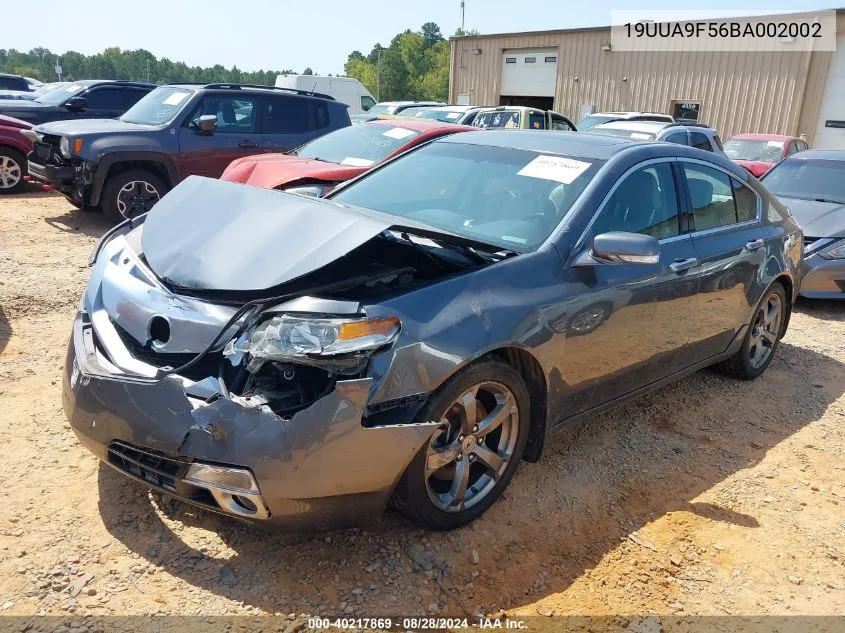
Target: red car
<point x="13" y="150"/>
<point x="320" y="165"/>
<point x="758" y="153"/>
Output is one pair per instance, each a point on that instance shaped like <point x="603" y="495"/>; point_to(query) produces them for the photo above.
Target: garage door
<point x="830" y="131"/>
<point x="529" y="72"/>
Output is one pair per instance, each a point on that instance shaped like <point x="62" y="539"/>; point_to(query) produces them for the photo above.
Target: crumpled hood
<point x="76" y="127"/>
<point x="756" y="167"/>
<point x="817" y="219"/>
<point x="8" y="121"/>
<point x="274" y="170"/>
<point x="211" y="235"/>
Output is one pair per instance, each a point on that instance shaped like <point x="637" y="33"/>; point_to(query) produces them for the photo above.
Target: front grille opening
<point x="159" y="471"/>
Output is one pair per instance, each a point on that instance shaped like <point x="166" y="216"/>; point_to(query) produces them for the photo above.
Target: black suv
<point x="176" y="131"/>
<point x="93" y="99"/>
<point x="14" y="82"/>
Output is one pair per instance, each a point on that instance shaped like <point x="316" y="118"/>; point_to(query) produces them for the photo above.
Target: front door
<point x="629" y="324"/>
<point x="236" y="135"/>
<point x="731" y="243"/>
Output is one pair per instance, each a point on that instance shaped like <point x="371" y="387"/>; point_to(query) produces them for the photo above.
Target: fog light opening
<point x="159" y="330"/>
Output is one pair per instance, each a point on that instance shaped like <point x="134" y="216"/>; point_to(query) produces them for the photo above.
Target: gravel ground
<point x="708" y="497"/>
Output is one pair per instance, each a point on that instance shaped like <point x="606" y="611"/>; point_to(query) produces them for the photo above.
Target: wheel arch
<point x="111" y="165"/>
<point x="789" y="286"/>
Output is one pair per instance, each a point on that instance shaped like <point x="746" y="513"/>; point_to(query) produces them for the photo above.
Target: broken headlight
<point x="343" y="344"/>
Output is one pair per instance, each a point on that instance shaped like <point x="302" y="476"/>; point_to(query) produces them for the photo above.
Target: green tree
<point x="308" y="71"/>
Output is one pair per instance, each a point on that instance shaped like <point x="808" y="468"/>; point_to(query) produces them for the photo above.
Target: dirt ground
<point x="708" y="497"/>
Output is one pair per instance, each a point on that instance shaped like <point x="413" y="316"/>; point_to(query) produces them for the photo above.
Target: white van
<point x="345" y="89"/>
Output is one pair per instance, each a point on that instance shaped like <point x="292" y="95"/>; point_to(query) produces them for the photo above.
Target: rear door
<point x="629" y="325"/>
<point x="730" y="242"/>
<point x="236" y="135"/>
<point x="289" y="121"/>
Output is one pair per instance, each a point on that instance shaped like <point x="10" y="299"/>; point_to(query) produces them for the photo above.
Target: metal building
<point x="576" y="71"/>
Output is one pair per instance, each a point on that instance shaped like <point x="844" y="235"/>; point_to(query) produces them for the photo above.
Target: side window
<point x="645" y="202"/>
<point x="294" y="115"/>
<point x="235" y="114"/>
<point x="712" y="197"/>
<point x="367" y="102"/>
<point x="718" y="142"/>
<point x="536" y="121"/>
<point x="700" y="141"/>
<point x="679" y="137"/>
<point x="106" y="99"/>
<point x="559" y="123"/>
<point x="132" y="96"/>
<point x="745" y="200"/>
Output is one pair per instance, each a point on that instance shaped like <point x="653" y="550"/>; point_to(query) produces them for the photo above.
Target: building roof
<point x="589" y="29"/>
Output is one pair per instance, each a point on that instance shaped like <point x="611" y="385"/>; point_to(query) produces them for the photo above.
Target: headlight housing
<point x="341" y="345"/>
<point x="834" y="251"/>
<point x="64" y="147"/>
<point x="310" y="190"/>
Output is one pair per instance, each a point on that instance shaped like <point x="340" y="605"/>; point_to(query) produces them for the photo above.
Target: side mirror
<point x="626" y="248"/>
<point x="207" y="123"/>
<point x="76" y="103"/>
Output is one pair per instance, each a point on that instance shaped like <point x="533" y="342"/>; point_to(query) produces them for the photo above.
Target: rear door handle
<point x="753" y="245"/>
<point x="680" y="265"/>
<point x="248" y="144"/>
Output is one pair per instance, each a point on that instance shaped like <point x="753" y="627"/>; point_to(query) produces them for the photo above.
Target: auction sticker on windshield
<point x="555" y="168"/>
<point x="176" y="98"/>
<point x="398" y="133"/>
<point x="356" y="162"/>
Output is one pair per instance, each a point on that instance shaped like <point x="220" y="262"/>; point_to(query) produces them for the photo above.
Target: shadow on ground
<point x="5" y="330"/>
<point x="88" y="222"/>
<point x="601" y="480"/>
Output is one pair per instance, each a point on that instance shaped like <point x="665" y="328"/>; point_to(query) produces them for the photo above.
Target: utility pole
<point x="463" y="16"/>
<point x="378" y="76"/>
<point x="148" y="71"/>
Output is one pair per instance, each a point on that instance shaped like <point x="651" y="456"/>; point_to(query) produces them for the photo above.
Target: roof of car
<point x="819" y="154"/>
<point x="762" y="137"/>
<point x="11" y="75"/>
<point x="629" y="113"/>
<point x="455" y="108"/>
<point x="91" y="82"/>
<point x="418" y="125"/>
<point x="573" y="143"/>
<point x="649" y="127"/>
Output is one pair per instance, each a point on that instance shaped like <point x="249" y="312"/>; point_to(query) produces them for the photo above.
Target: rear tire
<point x="131" y="193"/>
<point x="12" y="171"/>
<point x="762" y="337"/>
<point x="466" y="465"/>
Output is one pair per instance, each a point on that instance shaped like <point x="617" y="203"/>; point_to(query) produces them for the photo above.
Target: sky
<point x="281" y="34"/>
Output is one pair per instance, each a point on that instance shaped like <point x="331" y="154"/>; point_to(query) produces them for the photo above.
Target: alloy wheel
<point x="472" y="449"/>
<point x="136" y="197"/>
<point x="10" y="172"/>
<point x="765" y="331"/>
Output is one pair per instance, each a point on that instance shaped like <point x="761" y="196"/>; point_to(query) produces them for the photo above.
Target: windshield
<point x="594" y="119"/>
<point x="415" y="111"/>
<point x="497" y="118"/>
<point x="746" y="149"/>
<point x="381" y="108"/>
<point x="808" y="179"/>
<point x="359" y="145"/>
<point x="510" y="198"/>
<point x="447" y="116"/>
<point x="159" y="106"/>
<point x="60" y="95"/>
<point x="42" y="90"/>
<point x="615" y="131"/>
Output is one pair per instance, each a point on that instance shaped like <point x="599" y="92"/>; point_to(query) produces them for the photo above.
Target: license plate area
<point x="44" y="151"/>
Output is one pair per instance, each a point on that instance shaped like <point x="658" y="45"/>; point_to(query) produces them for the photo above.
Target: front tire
<point x="12" y="171"/>
<point x="131" y="193"/>
<point x="466" y="465"/>
<point x="762" y="338"/>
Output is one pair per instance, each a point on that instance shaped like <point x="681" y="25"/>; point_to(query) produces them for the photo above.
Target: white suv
<point x="692" y="134"/>
<point x="607" y="117"/>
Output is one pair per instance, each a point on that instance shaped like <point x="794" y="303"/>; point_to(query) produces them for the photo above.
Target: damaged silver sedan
<point x="411" y="339"/>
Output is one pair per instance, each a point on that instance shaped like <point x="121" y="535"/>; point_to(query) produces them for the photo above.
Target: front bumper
<point x="52" y="174"/>
<point x="316" y="470"/>
<point x="823" y="278"/>
<point x="75" y="179"/>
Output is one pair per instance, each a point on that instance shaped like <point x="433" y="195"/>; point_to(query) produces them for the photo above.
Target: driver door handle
<point x="753" y="245"/>
<point x="248" y="144"/>
<point x="680" y="265"/>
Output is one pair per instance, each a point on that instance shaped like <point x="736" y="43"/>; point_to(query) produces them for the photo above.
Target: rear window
<point x="358" y="145"/>
<point x="294" y="115"/>
<point x="497" y="118"/>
